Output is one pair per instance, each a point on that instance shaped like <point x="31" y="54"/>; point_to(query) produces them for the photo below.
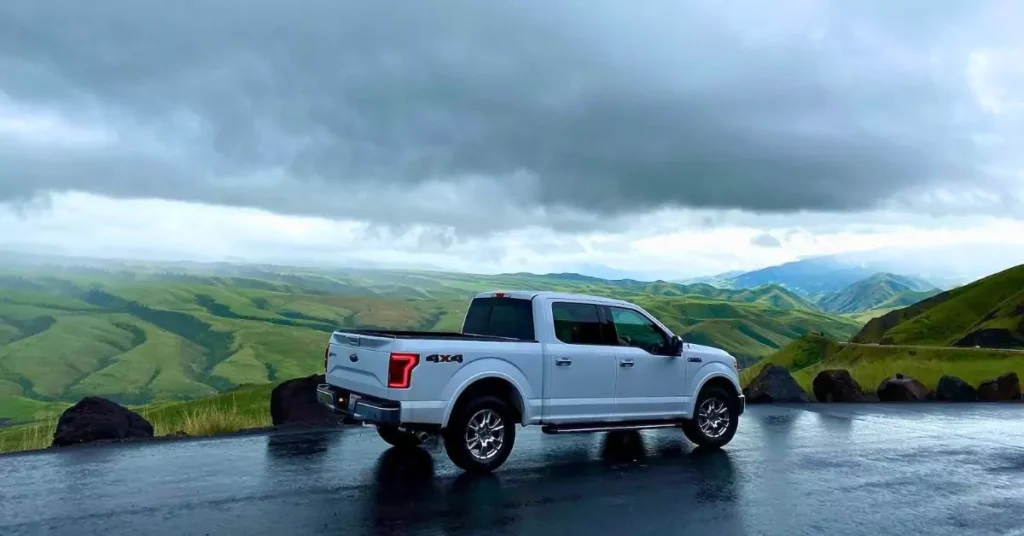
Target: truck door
<point x="580" y="367"/>
<point x="651" y="382"/>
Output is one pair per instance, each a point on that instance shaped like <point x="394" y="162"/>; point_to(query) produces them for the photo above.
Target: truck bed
<point x="430" y="335"/>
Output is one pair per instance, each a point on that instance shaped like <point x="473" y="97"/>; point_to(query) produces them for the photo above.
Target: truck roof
<point x="531" y="294"/>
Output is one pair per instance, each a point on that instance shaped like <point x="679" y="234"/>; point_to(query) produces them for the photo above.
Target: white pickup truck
<point x="569" y="363"/>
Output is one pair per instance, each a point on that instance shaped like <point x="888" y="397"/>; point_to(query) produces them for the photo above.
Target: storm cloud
<point x="486" y="115"/>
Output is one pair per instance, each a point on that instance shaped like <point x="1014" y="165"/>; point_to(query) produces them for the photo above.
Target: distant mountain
<point x="943" y="267"/>
<point x="813" y="277"/>
<point x="882" y="290"/>
<point x="722" y="280"/>
<point x="988" y="313"/>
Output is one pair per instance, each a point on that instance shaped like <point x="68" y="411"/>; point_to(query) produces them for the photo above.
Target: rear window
<point x="500" y="317"/>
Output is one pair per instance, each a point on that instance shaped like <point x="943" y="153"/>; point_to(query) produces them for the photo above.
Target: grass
<point x="869" y="365"/>
<point x="243" y="408"/>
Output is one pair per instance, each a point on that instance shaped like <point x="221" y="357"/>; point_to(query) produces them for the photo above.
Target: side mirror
<point x="677" y="345"/>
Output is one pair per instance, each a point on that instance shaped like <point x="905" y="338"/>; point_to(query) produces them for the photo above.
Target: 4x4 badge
<point x="444" y="358"/>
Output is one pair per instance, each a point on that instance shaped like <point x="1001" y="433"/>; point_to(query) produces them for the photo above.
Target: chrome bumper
<point x="357" y="407"/>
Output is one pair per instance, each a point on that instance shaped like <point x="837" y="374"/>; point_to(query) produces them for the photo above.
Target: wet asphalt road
<point x="816" y="469"/>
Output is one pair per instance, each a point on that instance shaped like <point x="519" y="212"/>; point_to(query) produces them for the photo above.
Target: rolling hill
<point x="880" y="291"/>
<point x="975" y="332"/>
<point x="987" y="313"/>
<point x="141" y="334"/>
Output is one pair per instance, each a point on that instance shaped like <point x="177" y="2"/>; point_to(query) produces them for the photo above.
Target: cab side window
<point x="577" y="323"/>
<point x="636" y="330"/>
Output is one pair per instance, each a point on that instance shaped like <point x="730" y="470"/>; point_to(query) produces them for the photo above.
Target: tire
<point x="458" y="435"/>
<point x="712" y="436"/>
<point x="398" y="438"/>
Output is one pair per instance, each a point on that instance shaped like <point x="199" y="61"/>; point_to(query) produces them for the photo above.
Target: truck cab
<point x="569" y="363"/>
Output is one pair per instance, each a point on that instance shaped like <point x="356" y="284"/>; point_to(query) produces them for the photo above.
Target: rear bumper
<point x="359" y="407"/>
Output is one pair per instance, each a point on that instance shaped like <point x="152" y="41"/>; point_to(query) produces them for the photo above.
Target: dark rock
<point x="294" y="403"/>
<point x="98" y="419"/>
<point x="901" y="388"/>
<point x="1005" y="387"/>
<point x="953" y="389"/>
<point x="774" y="384"/>
<point x="836" y="385"/>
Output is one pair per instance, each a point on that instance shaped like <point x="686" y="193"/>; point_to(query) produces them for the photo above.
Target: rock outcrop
<point x="953" y="389"/>
<point x="294" y="403"/>
<point x="836" y="385"/>
<point x="900" y="388"/>
<point x="1005" y="387"/>
<point x="774" y="384"/>
<point x="98" y="419"/>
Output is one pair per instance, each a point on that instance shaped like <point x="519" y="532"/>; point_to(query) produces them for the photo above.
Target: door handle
<point x="563" y="362"/>
<point x="628" y="363"/>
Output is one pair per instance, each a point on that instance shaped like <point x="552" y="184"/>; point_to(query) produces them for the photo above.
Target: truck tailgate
<point x="359" y="363"/>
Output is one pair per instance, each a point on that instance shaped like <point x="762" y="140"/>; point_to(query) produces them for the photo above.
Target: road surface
<point x="826" y="469"/>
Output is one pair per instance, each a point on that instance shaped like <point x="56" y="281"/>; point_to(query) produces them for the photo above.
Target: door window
<point x="577" y="323"/>
<point x="636" y="330"/>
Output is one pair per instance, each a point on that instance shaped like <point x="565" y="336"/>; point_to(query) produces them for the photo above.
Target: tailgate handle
<point x="563" y="362"/>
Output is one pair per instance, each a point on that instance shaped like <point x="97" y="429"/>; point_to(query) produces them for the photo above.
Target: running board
<point x="609" y="427"/>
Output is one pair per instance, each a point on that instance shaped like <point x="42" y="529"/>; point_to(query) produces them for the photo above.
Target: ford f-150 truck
<point x="565" y="362"/>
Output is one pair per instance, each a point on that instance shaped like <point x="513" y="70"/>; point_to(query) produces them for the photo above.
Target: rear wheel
<point x="715" y="418"/>
<point x="480" y="434"/>
<point x="398" y="438"/>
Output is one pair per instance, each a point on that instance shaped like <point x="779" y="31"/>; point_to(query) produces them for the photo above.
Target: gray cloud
<point x="766" y="240"/>
<point x="485" y="115"/>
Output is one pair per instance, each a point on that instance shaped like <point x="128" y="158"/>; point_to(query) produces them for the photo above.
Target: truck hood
<point x="706" y="350"/>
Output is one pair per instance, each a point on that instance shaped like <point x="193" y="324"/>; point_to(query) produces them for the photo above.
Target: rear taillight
<point x="327" y="354"/>
<point x="400" y="369"/>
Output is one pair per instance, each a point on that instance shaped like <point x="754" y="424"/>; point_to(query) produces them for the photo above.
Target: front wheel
<point x="480" y="435"/>
<point x="398" y="438"/>
<point x="715" y="418"/>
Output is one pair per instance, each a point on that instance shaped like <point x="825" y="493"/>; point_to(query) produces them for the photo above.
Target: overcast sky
<point x="670" y="138"/>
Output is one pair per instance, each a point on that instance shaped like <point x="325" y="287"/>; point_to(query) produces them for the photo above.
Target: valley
<point x="156" y="336"/>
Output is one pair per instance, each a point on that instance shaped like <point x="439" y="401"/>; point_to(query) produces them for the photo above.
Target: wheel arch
<point x="494" y="384"/>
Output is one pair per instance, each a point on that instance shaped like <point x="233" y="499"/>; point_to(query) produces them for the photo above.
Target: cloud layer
<point x="491" y="115"/>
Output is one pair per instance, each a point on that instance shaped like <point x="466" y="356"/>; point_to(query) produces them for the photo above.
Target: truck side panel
<point x="521" y="371"/>
<point x="446" y="366"/>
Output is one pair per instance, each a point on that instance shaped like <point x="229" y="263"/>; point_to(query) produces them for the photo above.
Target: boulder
<point x="98" y="419"/>
<point x="774" y="384"/>
<point x="953" y="389"/>
<point x="836" y="385"/>
<point x="294" y="403"/>
<point x="900" y="388"/>
<point x="1005" y="387"/>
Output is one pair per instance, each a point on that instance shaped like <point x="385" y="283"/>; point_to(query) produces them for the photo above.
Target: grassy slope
<point x="143" y="336"/>
<point x="241" y="408"/>
<point x="926" y="340"/>
<point x="992" y="306"/>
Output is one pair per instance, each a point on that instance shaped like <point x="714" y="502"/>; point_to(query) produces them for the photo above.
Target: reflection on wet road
<point x="837" y="469"/>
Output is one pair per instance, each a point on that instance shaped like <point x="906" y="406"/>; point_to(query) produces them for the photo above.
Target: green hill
<point x="880" y="291"/>
<point x="143" y="334"/>
<point x="929" y="339"/>
<point x="988" y="313"/>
